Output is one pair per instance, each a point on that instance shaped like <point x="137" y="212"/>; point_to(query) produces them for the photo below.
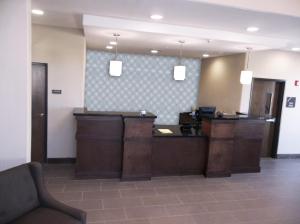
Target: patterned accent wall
<point x="146" y="83"/>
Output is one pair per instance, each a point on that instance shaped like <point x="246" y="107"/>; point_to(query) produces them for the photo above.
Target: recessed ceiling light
<point x="296" y="49"/>
<point x="113" y="43"/>
<point x="156" y="17"/>
<point x="154" y="51"/>
<point x="37" y="12"/>
<point x="109" y="47"/>
<point x="252" y="29"/>
<point x="205" y="55"/>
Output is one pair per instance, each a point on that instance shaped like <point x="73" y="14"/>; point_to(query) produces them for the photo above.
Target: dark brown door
<point x="39" y="112"/>
<point x="266" y="101"/>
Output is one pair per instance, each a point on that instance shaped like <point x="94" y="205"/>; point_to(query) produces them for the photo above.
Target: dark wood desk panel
<point x="178" y="156"/>
<point x="247" y="146"/>
<point x="234" y="145"/>
<point x="102" y="127"/>
<point x="138" y="128"/>
<point x="219" y="158"/>
<point x="220" y="148"/>
<point x="98" y="158"/>
<point x="246" y="155"/>
<point x="99" y="146"/>
<point x="178" y="153"/>
<point x="113" y="144"/>
<point x="137" y="148"/>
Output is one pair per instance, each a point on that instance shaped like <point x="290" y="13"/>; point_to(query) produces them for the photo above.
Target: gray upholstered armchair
<point x="25" y="200"/>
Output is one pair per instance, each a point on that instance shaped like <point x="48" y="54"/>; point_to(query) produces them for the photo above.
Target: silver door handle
<point x="42" y="114"/>
<point x="273" y="120"/>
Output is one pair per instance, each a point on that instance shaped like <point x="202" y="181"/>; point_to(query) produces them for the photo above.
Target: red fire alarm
<point x="297" y="82"/>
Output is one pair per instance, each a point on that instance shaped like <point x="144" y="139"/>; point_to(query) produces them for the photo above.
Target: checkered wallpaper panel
<point x="146" y="83"/>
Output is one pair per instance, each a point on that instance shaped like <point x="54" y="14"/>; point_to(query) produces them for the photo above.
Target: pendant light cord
<point x="116" y="52"/>
<point x="248" y="57"/>
<point x="180" y="51"/>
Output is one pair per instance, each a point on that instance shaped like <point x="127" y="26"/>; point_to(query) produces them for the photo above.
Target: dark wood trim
<point x="135" y="177"/>
<point x="246" y="170"/>
<point x="46" y="102"/>
<point x="277" y="124"/>
<point x="288" y="156"/>
<point x="61" y="160"/>
<point x="265" y="79"/>
<point x="217" y="174"/>
<point x="97" y="137"/>
<point x="97" y="175"/>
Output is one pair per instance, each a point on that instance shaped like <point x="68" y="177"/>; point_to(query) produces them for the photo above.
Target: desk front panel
<point x="99" y="146"/>
<point x="179" y="155"/>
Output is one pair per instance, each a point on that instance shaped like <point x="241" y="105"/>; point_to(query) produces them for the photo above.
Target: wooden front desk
<point x="130" y="147"/>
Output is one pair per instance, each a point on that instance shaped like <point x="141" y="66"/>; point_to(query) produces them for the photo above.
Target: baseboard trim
<point x="288" y="156"/>
<point x="61" y="160"/>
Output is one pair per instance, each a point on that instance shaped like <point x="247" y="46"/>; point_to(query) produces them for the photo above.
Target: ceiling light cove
<point x="252" y="29"/>
<point x="156" y="17"/>
<point x="154" y="51"/>
<point x="158" y="35"/>
<point x="109" y="47"/>
<point x="37" y="12"/>
<point x="113" y="43"/>
<point x="296" y="49"/>
<point x="205" y="55"/>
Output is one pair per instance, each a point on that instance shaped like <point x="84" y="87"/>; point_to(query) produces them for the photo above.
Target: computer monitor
<point x="206" y="111"/>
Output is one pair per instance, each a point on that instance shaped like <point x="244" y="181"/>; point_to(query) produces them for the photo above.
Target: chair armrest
<point x="47" y="200"/>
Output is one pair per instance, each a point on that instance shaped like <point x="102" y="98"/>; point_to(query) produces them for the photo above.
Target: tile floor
<point x="269" y="197"/>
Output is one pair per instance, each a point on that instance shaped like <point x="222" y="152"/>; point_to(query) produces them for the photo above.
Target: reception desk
<point x="128" y="146"/>
<point x="113" y="144"/>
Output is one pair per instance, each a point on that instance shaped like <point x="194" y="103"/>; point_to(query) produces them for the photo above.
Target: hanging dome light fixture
<point x="246" y="75"/>
<point x="115" y="66"/>
<point x="179" y="70"/>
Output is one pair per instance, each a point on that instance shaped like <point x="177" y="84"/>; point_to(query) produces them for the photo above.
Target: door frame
<point x="45" y="159"/>
<point x="275" y="141"/>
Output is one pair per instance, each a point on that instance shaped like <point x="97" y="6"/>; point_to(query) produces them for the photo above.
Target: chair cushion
<point x="18" y="194"/>
<point x="46" y="216"/>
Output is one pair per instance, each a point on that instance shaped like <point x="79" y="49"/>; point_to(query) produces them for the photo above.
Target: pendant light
<point x="115" y="66"/>
<point x="246" y="75"/>
<point x="179" y="70"/>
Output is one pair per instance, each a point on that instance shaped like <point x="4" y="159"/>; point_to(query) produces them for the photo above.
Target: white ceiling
<point x="284" y="7"/>
<point x="189" y="20"/>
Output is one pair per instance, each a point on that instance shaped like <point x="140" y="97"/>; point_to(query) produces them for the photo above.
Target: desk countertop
<point x="176" y="132"/>
<point x="233" y="117"/>
<point x="85" y="112"/>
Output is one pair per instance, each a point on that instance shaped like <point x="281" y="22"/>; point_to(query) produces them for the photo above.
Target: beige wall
<point x="220" y="82"/>
<point x="15" y="82"/>
<point x="280" y="65"/>
<point x="64" y="51"/>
